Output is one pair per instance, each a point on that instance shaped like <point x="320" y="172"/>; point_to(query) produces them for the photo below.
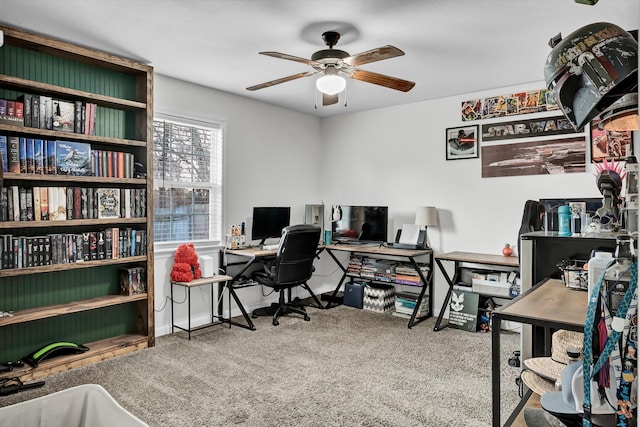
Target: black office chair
<point x="292" y="266"/>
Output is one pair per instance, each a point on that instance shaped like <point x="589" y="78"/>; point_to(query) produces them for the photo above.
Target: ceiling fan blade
<point x="289" y="57"/>
<point x="329" y="99"/>
<point x="381" y="79"/>
<point x="282" y="80"/>
<point x="384" y="52"/>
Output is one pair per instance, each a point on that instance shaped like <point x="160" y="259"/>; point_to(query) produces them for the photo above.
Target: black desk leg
<point x="172" y="308"/>
<point x="246" y="316"/>
<point x="445" y="303"/>
<point x="335" y="292"/>
<point x="495" y="370"/>
<point x="189" y="311"/>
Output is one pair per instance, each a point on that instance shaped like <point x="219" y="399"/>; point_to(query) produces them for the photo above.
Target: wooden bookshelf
<point x="78" y="301"/>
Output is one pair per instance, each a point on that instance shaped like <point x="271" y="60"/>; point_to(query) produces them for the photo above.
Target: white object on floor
<point x="86" y="405"/>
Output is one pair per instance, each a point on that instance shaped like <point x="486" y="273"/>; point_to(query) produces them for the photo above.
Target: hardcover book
<point x="26" y="100"/>
<point x="38" y="156"/>
<point x="44" y="203"/>
<point x="35" y="111"/>
<point x="4" y="153"/>
<point x="73" y="158"/>
<point x="63" y="116"/>
<point x="23" y="154"/>
<point x="51" y="157"/>
<point x="13" y="149"/>
<point x="37" y="215"/>
<point x="31" y="163"/>
<point x="108" y="203"/>
<point x="52" y="202"/>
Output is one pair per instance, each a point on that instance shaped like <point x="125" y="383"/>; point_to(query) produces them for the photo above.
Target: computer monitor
<point x="360" y="224"/>
<point x="268" y="222"/>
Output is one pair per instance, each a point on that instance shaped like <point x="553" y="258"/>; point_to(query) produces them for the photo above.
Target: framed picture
<point x="609" y="145"/>
<point x="462" y="142"/>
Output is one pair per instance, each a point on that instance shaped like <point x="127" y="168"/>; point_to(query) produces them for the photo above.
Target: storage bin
<point x="379" y="298"/>
<point x="85" y="405"/>
<point x="487" y="287"/>
<point x="353" y="294"/>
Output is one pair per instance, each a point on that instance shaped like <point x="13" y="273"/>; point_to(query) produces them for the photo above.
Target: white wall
<point x="271" y="158"/>
<point x="396" y="157"/>
<point x="393" y="157"/>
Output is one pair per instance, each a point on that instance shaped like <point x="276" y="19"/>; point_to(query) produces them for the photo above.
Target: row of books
<point x="56" y="157"/>
<point x="385" y="270"/>
<point x="45" y="112"/>
<point x="133" y="280"/>
<point x="65" y="203"/>
<point x="406" y="303"/>
<point x="51" y="249"/>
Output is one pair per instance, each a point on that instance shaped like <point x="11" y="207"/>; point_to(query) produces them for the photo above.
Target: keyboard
<point x="270" y="247"/>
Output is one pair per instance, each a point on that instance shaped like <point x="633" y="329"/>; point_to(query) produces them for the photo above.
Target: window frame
<point x="212" y="123"/>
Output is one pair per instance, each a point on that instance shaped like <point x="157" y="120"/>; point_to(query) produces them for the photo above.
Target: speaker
<point x="206" y="265"/>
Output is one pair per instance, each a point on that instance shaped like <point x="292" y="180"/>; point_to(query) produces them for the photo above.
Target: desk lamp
<point x="426" y="216"/>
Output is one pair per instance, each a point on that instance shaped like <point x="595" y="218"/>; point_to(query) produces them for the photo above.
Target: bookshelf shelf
<point x="59" y="91"/>
<point x="70" y="223"/>
<point x="70" y="266"/>
<point x="98" y="351"/>
<point x="54" y="134"/>
<point x="32" y="314"/>
<point x="79" y="301"/>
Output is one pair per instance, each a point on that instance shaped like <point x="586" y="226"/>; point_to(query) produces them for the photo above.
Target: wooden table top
<point x="376" y="249"/>
<point x="204" y="280"/>
<point x="550" y="301"/>
<point x="472" y="257"/>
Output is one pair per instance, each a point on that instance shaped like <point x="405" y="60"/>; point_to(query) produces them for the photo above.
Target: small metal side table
<point x="188" y="285"/>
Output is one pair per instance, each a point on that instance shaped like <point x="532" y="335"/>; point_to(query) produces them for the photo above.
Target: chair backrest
<point x="297" y="250"/>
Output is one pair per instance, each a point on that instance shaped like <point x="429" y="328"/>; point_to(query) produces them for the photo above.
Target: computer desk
<point x="376" y="250"/>
<point x="248" y="258"/>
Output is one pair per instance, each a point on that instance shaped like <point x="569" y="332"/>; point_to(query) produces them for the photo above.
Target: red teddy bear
<point x="185" y="266"/>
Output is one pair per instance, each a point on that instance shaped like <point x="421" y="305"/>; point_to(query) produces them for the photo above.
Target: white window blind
<point x="187" y="180"/>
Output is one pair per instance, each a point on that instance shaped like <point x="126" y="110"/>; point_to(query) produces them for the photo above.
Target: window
<point x="187" y="180"/>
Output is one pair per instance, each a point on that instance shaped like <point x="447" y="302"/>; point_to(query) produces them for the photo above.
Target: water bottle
<point x="564" y="221"/>
<point x="618" y="275"/>
<point x="597" y="264"/>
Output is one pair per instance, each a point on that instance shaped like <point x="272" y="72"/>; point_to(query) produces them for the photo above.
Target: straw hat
<point x="536" y="383"/>
<point x="562" y="341"/>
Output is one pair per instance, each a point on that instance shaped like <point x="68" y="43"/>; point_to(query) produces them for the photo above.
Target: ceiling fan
<point x="334" y="63"/>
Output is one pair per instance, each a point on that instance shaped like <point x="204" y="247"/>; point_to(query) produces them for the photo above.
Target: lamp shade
<point x="331" y="83"/>
<point x="427" y="215"/>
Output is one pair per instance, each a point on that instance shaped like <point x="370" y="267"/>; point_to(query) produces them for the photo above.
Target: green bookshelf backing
<point x="43" y="68"/>
<point x="17" y="341"/>
<point x="58" y="287"/>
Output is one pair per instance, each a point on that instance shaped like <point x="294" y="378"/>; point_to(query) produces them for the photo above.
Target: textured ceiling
<point x="451" y="46"/>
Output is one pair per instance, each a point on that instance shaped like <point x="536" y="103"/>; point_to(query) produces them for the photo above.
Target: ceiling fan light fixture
<point x="331" y="83"/>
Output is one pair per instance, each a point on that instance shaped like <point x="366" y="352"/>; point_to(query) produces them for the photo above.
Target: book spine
<point x="44" y="203"/>
<point x="37" y="215"/>
<point x="26" y="100"/>
<point x="23" y="154"/>
<point x="77" y="128"/>
<point x="29" y="204"/>
<point x="35" y="111"/>
<point x="23" y="204"/>
<point x="31" y="166"/>
<point x="38" y="156"/>
<point x="14" y="154"/>
<point x="4" y="153"/>
<point x="4" y="202"/>
<point x="70" y="205"/>
<point x="52" y="197"/>
<point x="61" y="211"/>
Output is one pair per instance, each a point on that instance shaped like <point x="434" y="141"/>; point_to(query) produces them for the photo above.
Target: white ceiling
<point x="452" y="46"/>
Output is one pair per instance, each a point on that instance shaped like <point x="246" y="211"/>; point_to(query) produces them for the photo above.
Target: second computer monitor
<point x="268" y="222"/>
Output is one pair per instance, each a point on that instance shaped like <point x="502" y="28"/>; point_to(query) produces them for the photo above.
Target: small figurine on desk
<point x="507" y="251"/>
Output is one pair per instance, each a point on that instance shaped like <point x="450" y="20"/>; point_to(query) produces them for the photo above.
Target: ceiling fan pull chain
<point x="345" y="96"/>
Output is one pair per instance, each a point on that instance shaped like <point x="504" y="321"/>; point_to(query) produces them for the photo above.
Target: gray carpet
<point x="346" y="367"/>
